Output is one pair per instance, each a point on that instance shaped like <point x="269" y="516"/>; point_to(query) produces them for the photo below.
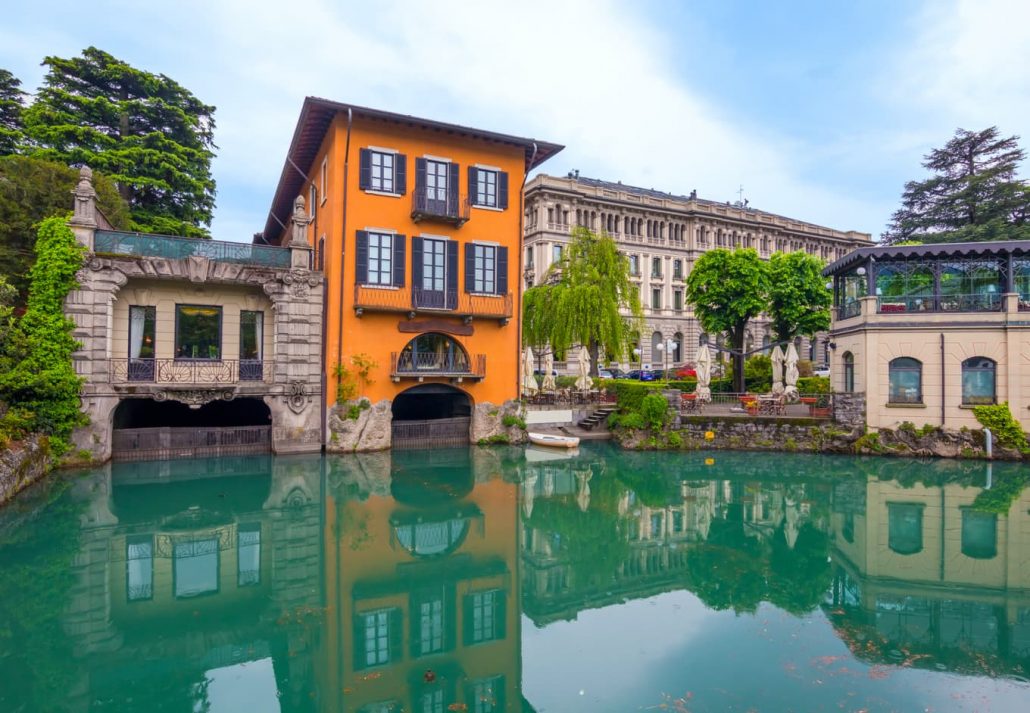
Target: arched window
<point x="849" y="372"/>
<point x="978" y="381"/>
<point x="905" y="528"/>
<point x="906" y="381"/>
<point x="656" y="353"/>
<point x="433" y="353"/>
<point x="677" y="351"/>
<point x="979" y="534"/>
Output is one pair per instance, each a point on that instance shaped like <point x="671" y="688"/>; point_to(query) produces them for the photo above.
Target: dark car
<point x="631" y="374"/>
<point x="615" y="372"/>
<point x="646" y="375"/>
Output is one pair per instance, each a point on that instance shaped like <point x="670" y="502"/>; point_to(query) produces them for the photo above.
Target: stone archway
<point x="431" y="415"/>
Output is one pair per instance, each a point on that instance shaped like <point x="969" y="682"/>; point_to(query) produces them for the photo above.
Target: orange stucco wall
<point x="376" y="334"/>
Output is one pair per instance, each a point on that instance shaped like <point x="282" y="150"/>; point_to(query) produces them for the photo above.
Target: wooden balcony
<point x="415" y="300"/>
<point x="452" y="209"/>
<point x="455" y="366"/>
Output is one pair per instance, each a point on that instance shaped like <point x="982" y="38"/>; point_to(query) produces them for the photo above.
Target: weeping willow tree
<point x="586" y="298"/>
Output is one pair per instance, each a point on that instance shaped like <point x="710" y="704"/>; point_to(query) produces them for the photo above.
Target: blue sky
<point x="821" y="110"/>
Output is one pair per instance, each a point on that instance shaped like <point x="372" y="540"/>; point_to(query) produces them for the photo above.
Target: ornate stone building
<point x="664" y="235"/>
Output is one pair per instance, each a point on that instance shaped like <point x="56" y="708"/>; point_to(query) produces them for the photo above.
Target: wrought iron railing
<point x="411" y="364"/>
<point x="111" y="242"/>
<point x="165" y="443"/>
<point x="191" y="371"/>
<point x="758" y="405"/>
<point x="405" y="299"/>
<point x="426" y="205"/>
<point x="981" y="302"/>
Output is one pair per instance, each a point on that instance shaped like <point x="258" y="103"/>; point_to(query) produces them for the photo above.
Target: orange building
<point x="417" y="227"/>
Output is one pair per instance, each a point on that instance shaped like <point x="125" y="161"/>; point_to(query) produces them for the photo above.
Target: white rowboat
<point x="546" y="439"/>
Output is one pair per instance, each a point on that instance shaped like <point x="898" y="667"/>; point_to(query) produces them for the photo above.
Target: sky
<point x="820" y="111"/>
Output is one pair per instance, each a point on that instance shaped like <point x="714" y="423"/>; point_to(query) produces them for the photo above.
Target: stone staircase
<point x="600" y="416"/>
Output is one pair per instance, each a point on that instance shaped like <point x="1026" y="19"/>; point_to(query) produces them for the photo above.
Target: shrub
<point x="814" y="385"/>
<point x="510" y="420"/>
<point x="630" y="394"/>
<point x="655" y="411"/>
<point x="1007" y="431"/>
<point x="674" y="440"/>
<point x="633" y="419"/>
<point x="805" y="367"/>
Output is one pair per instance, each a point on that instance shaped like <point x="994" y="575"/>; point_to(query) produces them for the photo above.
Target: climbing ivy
<point x="1007" y="431"/>
<point x="40" y="387"/>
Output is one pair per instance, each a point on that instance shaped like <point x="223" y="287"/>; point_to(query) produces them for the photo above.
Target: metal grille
<point x="166" y="443"/>
<point x="432" y="433"/>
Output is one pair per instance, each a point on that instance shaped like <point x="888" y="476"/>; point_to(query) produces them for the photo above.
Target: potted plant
<point x="821" y="407"/>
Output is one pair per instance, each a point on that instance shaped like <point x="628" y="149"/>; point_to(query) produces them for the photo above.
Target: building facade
<point x="415" y="224"/>
<point x="663" y="235"/>
<point x="927" y="332"/>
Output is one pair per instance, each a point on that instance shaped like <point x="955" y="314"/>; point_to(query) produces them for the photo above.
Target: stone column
<point x="84" y="217"/>
<point x="300" y="249"/>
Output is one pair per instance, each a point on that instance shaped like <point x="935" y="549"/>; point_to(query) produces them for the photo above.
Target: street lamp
<point x="666" y="348"/>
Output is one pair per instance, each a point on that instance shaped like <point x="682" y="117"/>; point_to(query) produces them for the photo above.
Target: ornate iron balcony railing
<point x="408" y="365"/>
<point x="191" y="371"/>
<point x="426" y="205"/>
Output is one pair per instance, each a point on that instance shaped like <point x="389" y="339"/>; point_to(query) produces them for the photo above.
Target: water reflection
<point x="379" y="583"/>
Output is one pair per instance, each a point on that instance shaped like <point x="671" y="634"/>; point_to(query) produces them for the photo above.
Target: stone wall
<point x="21" y="465"/>
<point x="488" y="423"/>
<point x="802" y="435"/>
<point x="849" y="409"/>
<point x="360" y="426"/>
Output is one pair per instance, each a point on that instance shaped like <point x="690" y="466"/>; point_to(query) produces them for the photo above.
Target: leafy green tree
<point x="11" y="106"/>
<point x="582" y="300"/>
<point x="145" y="131"/>
<point x="32" y="189"/>
<point x="727" y="289"/>
<point x="972" y="195"/>
<point x="799" y="303"/>
<point x="41" y="389"/>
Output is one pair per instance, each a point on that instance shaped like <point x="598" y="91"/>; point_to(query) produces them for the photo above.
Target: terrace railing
<point x="110" y="242"/>
<point x="980" y="302"/>
<point x="191" y="371"/>
<point x="426" y="205"/>
<point x="407" y="365"/>
<point x="414" y="299"/>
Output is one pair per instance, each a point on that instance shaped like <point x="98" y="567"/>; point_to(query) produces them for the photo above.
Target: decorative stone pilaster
<point x="300" y="250"/>
<point x="84" y="217"/>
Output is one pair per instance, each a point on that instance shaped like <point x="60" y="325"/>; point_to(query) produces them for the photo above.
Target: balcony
<point x="979" y="302"/>
<point x="190" y="371"/>
<point x="426" y="204"/>
<point x="119" y="244"/>
<point x="453" y="365"/>
<point x="415" y="300"/>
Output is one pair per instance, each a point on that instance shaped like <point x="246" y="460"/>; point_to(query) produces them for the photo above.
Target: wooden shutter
<point x="396" y="634"/>
<point x="398" y="261"/>
<point x="365" y="172"/>
<point x="416" y="265"/>
<point x="501" y="281"/>
<point x="420" y="176"/>
<point x="400" y="173"/>
<point x="473" y="185"/>
<point x="361" y="258"/>
<point x="450" y="618"/>
<point x="502" y="190"/>
<point x="467" y="620"/>
<point x="452" y="189"/>
<point x="360" y="656"/>
<point x="500" y="615"/>
<point x="470" y="267"/>
<point x="452" y="273"/>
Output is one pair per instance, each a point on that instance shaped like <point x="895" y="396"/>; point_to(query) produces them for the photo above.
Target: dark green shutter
<point x="467" y="618"/>
<point x="398" y="261"/>
<point x="400" y="173"/>
<point x="396" y="634"/>
<point x="416" y="266"/>
<point x="365" y="170"/>
<point x="361" y="258"/>
<point x="502" y="190"/>
<point x="450" y="618"/>
<point x="452" y="188"/>
<point x="470" y="267"/>
<point x="500" y="614"/>
<point x="473" y="185"/>
<point x="360" y="660"/>
<point x="452" y="273"/>
<point x="501" y="283"/>
<point x="420" y="176"/>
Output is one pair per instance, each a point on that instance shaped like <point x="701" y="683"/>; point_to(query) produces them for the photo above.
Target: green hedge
<point x="630" y="394"/>
<point x="814" y="385"/>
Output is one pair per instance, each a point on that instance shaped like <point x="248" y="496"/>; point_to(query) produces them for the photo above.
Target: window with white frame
<point x="377" y="637"/>
<point x="380" y="258"/>
<point x="485" y="265"/>
<point x="312" y="201"/>
<point x="382" y="178"/>
<point x="486" y="188"/>
<point x="323" y="178"/>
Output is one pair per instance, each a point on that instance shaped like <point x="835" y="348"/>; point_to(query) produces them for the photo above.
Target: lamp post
<point x="666" y="348"/>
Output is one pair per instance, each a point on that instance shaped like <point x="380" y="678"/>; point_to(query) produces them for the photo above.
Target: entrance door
<point x="434" y="274"/>
<point x="251" y="345"/>
<point x="436" y="187"/>
<point x="141" y="343"/>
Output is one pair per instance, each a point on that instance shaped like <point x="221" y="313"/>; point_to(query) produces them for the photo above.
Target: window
<point x="634" y="264"/>
<point x="529" y="257"/>
<point x="380" y="259"/>
<point x="485" y="695"/>
<point x="323" y="177"/>
<point x="433" y="265"/>
<point x="195" y="567"/>
<point x="376" y="637"/>
<point x="141" y="343"/>
<point x="248" y="555"/>
<point x="677" y="269"/>
<point x="849" y="372"/>
<point x="656" y="298"/>
<point x="556" y="253"/>
<point x="382" y="170"/>
<point x="656" y="267"/>
<point x="484" y="268"/>
<point x="483" y="616"/>
<point x="905" y="528"/>
<point x="252" y="330"/>
<point x="198" y="332"/>
<point x="677" y="300"/>
<point x="429" y="623"/>
<point x="139" y="568"/>
<point x="489" y="188"/>
<point x="978" y="381"/>
<point x="312" y="202"/>
<point x="906" y="381"/>
<point x="979" y="534"/>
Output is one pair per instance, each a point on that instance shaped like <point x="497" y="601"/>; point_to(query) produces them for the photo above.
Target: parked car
<point x="541" y="372"/>
<point x="616" y="372"/>
<point x="604" y="374"/>
<point x="821" y="370"/>
<point x="647" y="375"/>
<point x="631" y="374"/>
<point x="685" y="372"/>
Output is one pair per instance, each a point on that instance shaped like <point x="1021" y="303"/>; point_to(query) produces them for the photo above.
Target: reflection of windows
<point x="485" y="695"/>
<point x="430" y="622"/>
<point x="198" y="332"/>
<point x="905" y="528"/>
<point x="196" y="567"/>
<point x="906" y="381"/>
<point x="484" y="616"/>
<point x="248" y="555"/>
<point x="979" y="534"/>
<point x="677" y="521"/>
<point x="849" y="527"/>
<point x="376" y="637"/>
<point x="381" y="707"/>
<point x="431" y="701"/>
<point x="634" y="264"/>
<point x="978" y="381"/>
<point x="139" y="566"/>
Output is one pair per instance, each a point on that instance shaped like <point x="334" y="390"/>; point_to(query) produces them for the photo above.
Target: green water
<point x="511" y="580"/>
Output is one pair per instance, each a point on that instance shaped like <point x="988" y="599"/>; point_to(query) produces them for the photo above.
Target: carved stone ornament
<point x="195" y="398"/>
<point x="296" y="396"/>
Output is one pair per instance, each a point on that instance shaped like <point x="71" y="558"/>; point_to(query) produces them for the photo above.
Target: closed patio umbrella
<point x="777" y="370"/>
<point x="584" y="382"/>
<point x="703" y="368"/>
<point x="791" y="372"/>
<point x="528" y="492"/>
<point x="548" y="384"/>
<point x="529" y="386"/>
<point x="583" y="489"/>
